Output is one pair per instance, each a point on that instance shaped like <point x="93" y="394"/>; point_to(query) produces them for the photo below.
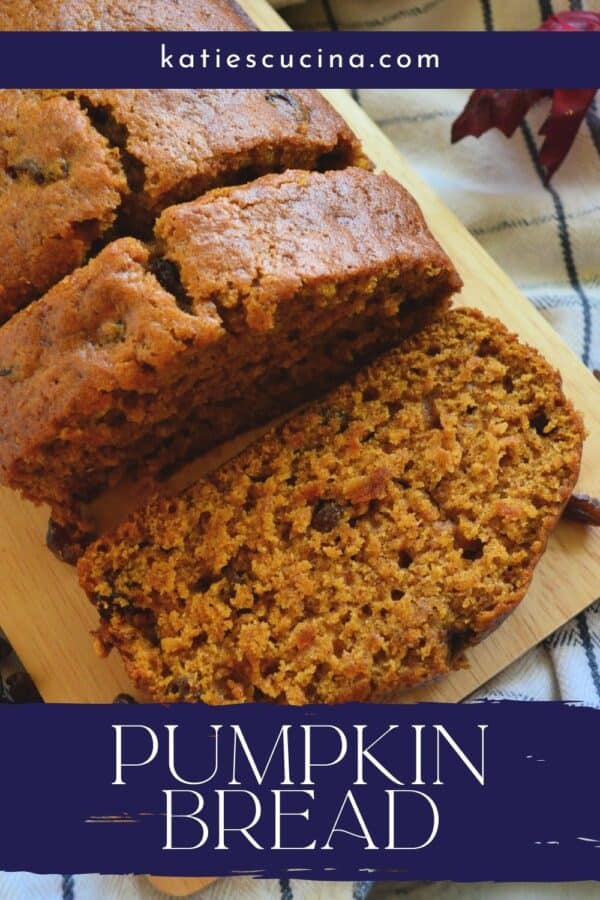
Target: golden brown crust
<point x="283" y="233"/>
<point x="110" y="371"/>
<point x="122" y="15"/>
<point x="80" y="167"/>
<point x="359" y="548"/>
<point x="60" y="186"/>
<point x="180" y="143"/>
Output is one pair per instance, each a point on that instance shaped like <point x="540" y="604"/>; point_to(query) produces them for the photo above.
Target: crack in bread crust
<point x="81" y="168"/>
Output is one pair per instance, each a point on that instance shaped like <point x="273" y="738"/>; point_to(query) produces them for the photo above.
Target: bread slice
<point x="358" y="549"/>
<point x="257" y="298"/>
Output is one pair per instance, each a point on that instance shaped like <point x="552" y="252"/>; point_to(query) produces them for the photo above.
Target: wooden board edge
<point x="179" y="887"/>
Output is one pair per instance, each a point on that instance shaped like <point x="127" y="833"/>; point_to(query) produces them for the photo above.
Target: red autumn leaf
<point x="489" y="108"/>
<point x="571" y="21"/>
<point x="506" y="109"/>
<point x="560" y="128"/>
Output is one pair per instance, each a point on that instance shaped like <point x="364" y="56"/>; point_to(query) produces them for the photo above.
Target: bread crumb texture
<point x="358" y="549"/>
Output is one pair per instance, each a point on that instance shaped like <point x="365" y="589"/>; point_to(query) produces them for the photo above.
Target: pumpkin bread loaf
<point x="359" y="548"/>
<point x="60" y="187"/>
<point x="254" y="298"/>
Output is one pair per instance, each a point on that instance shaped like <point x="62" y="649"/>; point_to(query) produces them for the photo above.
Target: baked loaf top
<point x="359" y="548"/>
<point x="249" y="248"/>
<point x="76" y="165"/>
<point x="60" y="186"/>
<point x="179" y="143"/>
<point x="122" y="15"/>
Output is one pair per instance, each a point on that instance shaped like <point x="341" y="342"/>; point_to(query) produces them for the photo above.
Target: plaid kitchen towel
<point x="546" y="237"/>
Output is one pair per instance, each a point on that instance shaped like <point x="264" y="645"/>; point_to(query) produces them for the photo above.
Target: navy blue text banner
<point x="486" y="791"/>
<point x="309" y="59"/>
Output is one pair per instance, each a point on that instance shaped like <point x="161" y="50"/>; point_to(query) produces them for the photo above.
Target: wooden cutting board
<point x="48" y="619"/>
